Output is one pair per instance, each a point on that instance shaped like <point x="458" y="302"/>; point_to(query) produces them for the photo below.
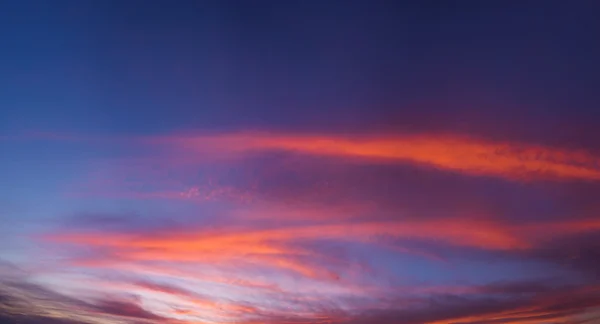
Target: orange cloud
<point x="569" y="227"/>
<point x="279" y="248"/>
<point x="454" y="153"/>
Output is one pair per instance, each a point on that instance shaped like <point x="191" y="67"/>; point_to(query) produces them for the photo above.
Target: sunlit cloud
<point x="284" y="240"/>
<point x="503" y="302"/>
<point x="453" y="153"/>
<point x="27" y="302"/>
<point x="281" y="248"/>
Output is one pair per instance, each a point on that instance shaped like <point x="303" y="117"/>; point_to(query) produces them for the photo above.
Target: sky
<point x="289" y="162"/>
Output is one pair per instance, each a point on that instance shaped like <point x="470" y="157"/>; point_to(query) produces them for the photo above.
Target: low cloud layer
<point x="278" y="228"/>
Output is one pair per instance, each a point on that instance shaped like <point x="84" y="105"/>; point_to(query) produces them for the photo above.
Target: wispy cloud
<point x="451" y="152"/>
<point x="502" y="302"/>
<point x="22" y="301"/>
<point x="304" y="230"/>
<point x="292" y="250"/>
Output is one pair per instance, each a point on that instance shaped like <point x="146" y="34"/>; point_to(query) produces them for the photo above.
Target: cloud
<point x="180" y="166"/>
<point x="195" y="298"/>
<point x="174" y="272"/>
<point x="309" y="229"/>
<point x="124" y="309"/>
<point x="284" y="244"/>
<point x="573" y="251"/>
<point x="497" y="303"/>
<point x="306" y="184"/>
<point x="548" y="301"/>
<point x="298" y="250"/>
<point x="453" y="153"/>
<point x="23" y="319"/>
<point x="22" y="301"/>
<point x="285" y="248"/>
<point x="229" y="256"/>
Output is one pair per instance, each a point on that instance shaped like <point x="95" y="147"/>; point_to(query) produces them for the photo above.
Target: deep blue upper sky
<point x="144" y="66"/>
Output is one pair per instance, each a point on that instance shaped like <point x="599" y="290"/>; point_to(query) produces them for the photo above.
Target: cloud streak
<point x="282" y="248"/>
<point x="316" y="229"/>
<point x="22" y="301"/>
<point x="451" y="152"/>
<point x="503" y="302"/>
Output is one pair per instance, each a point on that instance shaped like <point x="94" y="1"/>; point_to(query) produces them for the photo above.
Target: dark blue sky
<point x="144" y="66"/>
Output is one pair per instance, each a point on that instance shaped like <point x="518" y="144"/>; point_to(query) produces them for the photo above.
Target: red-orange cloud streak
<point x="279" y="249"/>
<point x="454" y="153"/>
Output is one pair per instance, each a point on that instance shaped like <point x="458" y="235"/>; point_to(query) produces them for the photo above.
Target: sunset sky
<point x="299" y="161"/>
